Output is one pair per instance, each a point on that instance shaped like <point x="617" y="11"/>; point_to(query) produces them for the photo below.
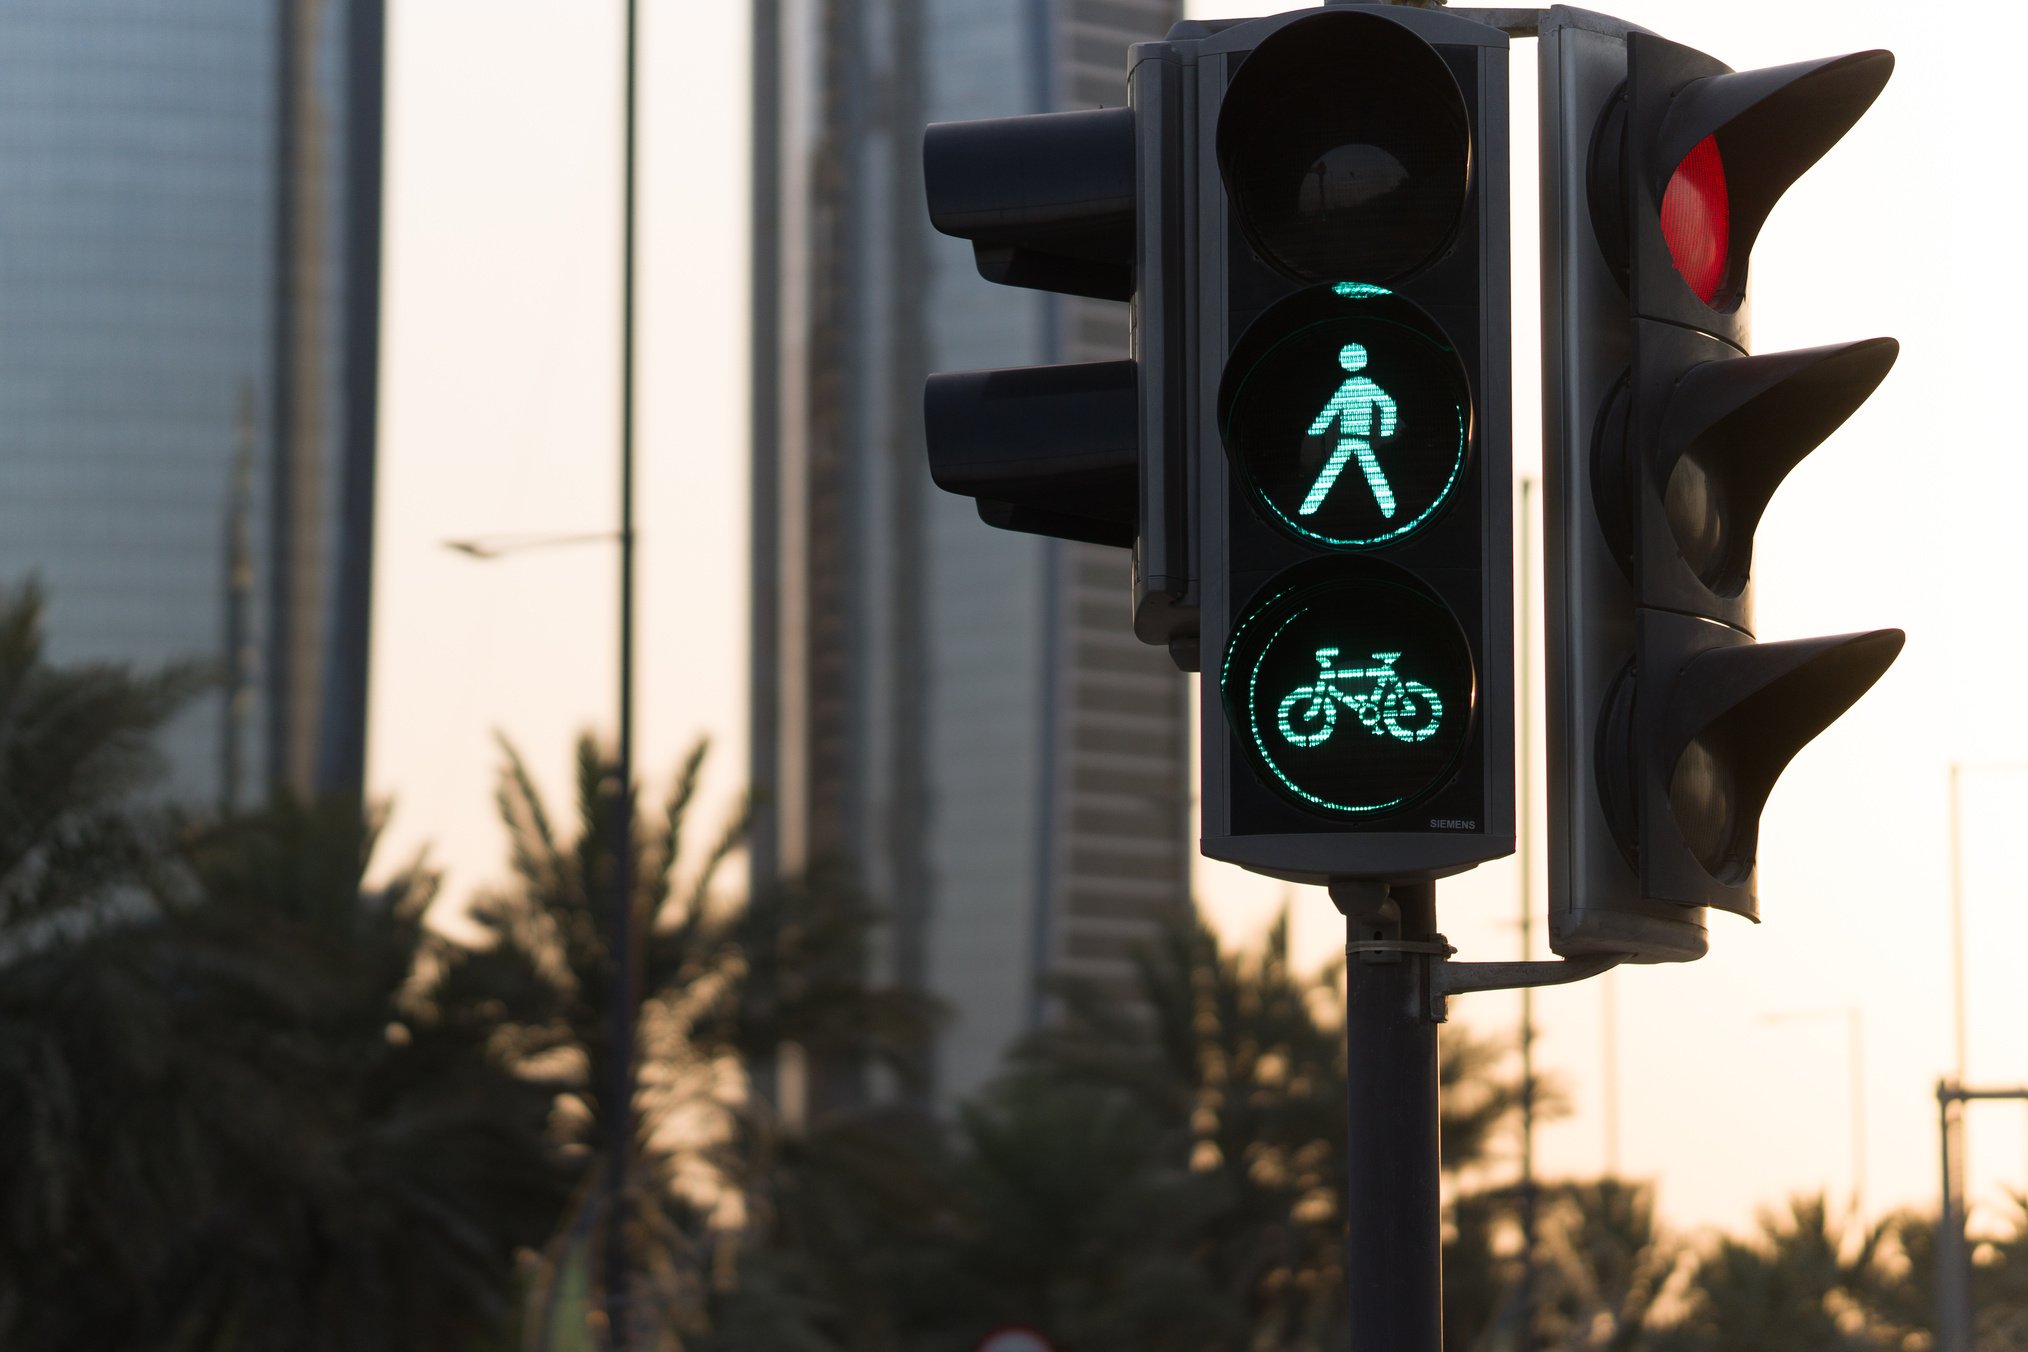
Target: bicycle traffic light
<point x="1663" y="443"/>
<point x="1351" y="414"/>
<point x="1076" y="203"/>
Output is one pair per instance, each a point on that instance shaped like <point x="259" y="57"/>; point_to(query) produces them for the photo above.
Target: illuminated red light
<point x="1697" y="219"/>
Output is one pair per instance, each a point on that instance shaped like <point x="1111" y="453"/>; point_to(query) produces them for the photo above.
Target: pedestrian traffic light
<point x="1351" y="414"/>
<point x="1663" y="443"/>
<point x="1081" y="204"/>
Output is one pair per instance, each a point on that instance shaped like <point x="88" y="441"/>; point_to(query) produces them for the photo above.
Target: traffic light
<point x="1081" y="204"/>
<point x="1663" y="443"/>
<point x="1350" y="412"/>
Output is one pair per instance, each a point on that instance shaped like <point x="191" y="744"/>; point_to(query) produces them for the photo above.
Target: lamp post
<point x="1524" y="718"/>
<point x="620" y="1087"/>
<point x="1954" y="1260"/>
<point x="617" y="1126"/>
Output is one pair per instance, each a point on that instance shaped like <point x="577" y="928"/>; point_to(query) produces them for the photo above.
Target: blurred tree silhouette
<point x="390" y="1157"/>
<point x="1801" y="1282"/>
<point x="101" y="1164"/>
<point x="244" y="1103"/>
<point x="1999" y="1285"/>
<point x="729" y="1198"/>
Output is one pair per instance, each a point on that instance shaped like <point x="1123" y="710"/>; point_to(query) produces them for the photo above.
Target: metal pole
<point x="1957" y="924"/>
<point x="1525" y="847"/>
<point x="1953" y="1279"/>
<point x="1954" y="1251"/>
<point x="1394" y="1267"/>
<point x="1954" y="1255"/>
<point x="619" y="1115"/>
<point x="1855" y="1029"/>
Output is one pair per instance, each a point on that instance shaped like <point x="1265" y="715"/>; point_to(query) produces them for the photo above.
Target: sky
<point x="1729" y="1079"/>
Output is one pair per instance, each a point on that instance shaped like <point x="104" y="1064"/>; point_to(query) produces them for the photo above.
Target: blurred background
<point x="309" y="526"/>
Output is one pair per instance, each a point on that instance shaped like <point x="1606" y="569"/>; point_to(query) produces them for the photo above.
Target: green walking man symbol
<point x="1352" y="408"/>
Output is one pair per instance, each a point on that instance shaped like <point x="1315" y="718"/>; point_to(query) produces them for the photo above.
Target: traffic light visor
<point x="1346" y="150"/>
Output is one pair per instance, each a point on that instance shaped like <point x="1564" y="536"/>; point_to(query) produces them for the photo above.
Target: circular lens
<point x="1700" y="515"/>
<point x="1697" y="220"/>
<point x="1345" y="149"/>
<point x="1347" y="414"/>
<point x="1352" y="693"/>
<point x="1704" y="798"/>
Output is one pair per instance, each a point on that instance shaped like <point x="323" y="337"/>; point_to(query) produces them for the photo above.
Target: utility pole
<point x="619" y="1091"/>
<point x="1954" y="1258"/>
<point x="1525" y="856"/>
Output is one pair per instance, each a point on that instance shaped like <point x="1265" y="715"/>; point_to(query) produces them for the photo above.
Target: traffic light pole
<point x="1399" y="976"/>
<point x="1394" y="1259"/>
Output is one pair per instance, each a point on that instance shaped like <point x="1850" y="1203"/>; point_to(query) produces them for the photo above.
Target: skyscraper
<point x="961" y="714"/>
<point x="189" y="308"/>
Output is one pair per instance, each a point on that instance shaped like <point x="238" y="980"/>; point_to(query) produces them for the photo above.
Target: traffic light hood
<point x="1767" y="126"/>
<point x="1718" y="443"/>
<point x="1046" y="199"/>
<point x="1049" y="450"/>
<point x="1723" y="718"/>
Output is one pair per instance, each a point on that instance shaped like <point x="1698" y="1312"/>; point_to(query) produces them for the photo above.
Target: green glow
<point x="1390" y="705"/>
<point x="1337" y="636"/>
<point x="1343" y="375"/>
<point x="1438" y="499"/>
<point x="1267" y="752"/>
<point x="1352" y="409"/>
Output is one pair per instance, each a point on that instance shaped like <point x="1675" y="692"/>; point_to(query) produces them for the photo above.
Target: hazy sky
<point x="499" y="417"/>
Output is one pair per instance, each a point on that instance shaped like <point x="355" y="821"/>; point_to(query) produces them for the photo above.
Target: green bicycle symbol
<point x="1405" y="710"/>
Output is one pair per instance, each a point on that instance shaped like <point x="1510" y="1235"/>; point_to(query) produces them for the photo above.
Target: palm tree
<point x="1607" y="1266"/>
<point x="244" y="1104"/>
<point x="1073" y="1213"/>
<point x="77" y="745"/>
<point x="2000" y="1284"/>
<point x="1236" y="1066"/>
<point x="100" y="1163"/>
<point x="390" y="1155"/>
<point x="724" y="1191"/>
<point x="1902" y="1296"/>
<point x="1800" y="1283"/>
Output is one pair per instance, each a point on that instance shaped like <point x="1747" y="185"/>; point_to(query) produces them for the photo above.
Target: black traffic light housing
<point x="1664" y="442"/>
<point x="1351" y="420"/>
<point x="1047" y="200"/>
<point x="1083" y="204"/>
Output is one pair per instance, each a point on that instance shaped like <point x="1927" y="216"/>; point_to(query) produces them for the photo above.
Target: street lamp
<point x="488" y="547"/>
<point x="617" y="1123"/>
<point x="1954" y="1258"/>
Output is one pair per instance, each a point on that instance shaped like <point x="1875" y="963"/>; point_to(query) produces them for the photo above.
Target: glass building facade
<point x="960" y="713"/>
<point x="189" y="276"/>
